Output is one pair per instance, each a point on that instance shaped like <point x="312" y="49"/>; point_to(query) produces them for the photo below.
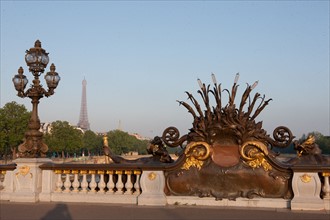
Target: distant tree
<point x="14" y="119"/>
<point x="92" y="142"/>
<point x="121" y="142"/>
<point x="64" y="138"/>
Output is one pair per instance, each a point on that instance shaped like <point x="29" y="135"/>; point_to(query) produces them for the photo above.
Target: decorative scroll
<point x="196" y="153"/>
<point x="171" y="137"/>
<point x="253" y="154"/>
<point x="282" y="137"/>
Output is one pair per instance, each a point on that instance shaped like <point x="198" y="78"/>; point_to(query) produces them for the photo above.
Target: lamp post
<point x="36" y="59"/>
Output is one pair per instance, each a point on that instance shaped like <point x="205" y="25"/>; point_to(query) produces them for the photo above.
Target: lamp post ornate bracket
<point x="36" y="59"/>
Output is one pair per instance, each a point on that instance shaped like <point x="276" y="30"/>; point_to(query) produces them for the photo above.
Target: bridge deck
<point x="77" y="211"/>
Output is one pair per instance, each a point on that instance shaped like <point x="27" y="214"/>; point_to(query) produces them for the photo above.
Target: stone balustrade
<point x="90" y="183"/>
<point x="98" y="181"/>
<point x="6" y="180"/>
<point x="42" y="180"/>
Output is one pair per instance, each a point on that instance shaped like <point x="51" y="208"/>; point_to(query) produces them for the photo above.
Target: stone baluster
<point x="75" y="183"/>
<point x="59" y="182"/>
<point x="84" y="183"/>
<point x="2" y="178"/>
<point x="110" y="184"/>
<point x="92" y="184"/>
<point x="67" y="182"/>
<point x="136" y="185"/>
<point x="128" y="184"/>
<point x="326" y="186"/>
<point x="101" y="184"/>
<point x="119" y="184"/>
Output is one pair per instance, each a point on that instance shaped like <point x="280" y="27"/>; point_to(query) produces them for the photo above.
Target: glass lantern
<point x="37" y="58"/>
<point x="52" y="78"/>
<point x="20" y="80"/>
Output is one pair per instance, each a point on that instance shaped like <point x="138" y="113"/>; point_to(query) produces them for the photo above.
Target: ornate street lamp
<point x="36" y="59"/>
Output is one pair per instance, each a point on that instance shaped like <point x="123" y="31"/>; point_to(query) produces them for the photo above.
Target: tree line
<point x="64" y="139"/>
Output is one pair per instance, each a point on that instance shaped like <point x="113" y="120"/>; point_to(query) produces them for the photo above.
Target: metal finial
<point x="37" y="43"/>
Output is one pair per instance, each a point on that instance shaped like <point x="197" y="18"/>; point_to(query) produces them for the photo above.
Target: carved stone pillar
<point x="27" y="179"/>
<point x="306" y="187"/>
<point x="152" y="185"/>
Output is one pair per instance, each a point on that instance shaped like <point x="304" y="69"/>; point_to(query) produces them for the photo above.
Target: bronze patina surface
<point x="239" y="150"/>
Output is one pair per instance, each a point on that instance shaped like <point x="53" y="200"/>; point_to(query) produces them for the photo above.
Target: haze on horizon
<point x="139" y="57"/>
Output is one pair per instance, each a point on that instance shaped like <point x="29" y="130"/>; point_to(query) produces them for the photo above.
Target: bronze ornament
<point x="226" y="147"/>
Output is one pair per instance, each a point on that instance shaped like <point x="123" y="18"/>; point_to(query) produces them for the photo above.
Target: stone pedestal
<point x="27" y="179"/>
<point x="152" y="184"/>
<point x="306" y="188"/>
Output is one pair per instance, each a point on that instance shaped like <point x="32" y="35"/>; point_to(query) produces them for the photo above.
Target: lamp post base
<point x="33" y="146"/>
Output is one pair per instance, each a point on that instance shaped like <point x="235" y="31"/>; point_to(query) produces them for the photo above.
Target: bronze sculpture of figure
<point x="156" y="148"/>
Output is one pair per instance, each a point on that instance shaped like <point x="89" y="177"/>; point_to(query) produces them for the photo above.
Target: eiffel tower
<point x="83" y="119"/>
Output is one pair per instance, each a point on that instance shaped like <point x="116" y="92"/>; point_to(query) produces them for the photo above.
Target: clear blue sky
<point x="139" y="57"/>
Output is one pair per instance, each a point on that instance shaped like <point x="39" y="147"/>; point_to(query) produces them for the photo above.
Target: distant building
<point x="83" y="118"/>
<point x="139" y="137"/>
<point x="46" y="128"/>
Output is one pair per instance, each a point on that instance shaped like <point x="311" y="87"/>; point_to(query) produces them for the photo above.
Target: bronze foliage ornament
<point x="229" y="119"/>
<point x="227" y="153"/>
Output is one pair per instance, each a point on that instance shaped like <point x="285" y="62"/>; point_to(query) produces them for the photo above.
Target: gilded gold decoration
<point x="2" y="172"/>
<point x="66" y="171"/>
<point x="75" y="171"/>
<point x="196" y="153"/>
<point x="91" y="172"/>
<point x="305" y="178"/>
<point x="100" y="172"/>
<point x="152" y="176"/>
<point x="137" y="172"/>
<point x="307" y="147"/>
<point x="128" y="172"/>
<point x="119" y="172"/>
<point x="24" y="170"/>
<point x="255" y="157"/>
<point x="83" y="171"/>
<point x="105" y="141"/>
<point x="58" y="171"/>
<point x="110" y="172"/>
<point x="325" y="174"/>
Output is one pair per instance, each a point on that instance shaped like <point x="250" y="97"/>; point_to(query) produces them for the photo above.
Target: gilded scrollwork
<point x="196" y="153"/>
<point x="24" y="170"/>
<point x="253" y="154"/>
